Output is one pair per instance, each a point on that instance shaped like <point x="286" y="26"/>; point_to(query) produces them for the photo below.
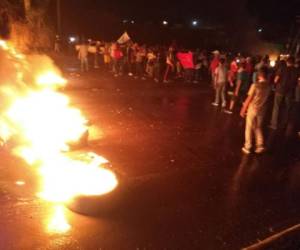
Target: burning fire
<point x="58" y="223"/>
<point x="42" y="123"/>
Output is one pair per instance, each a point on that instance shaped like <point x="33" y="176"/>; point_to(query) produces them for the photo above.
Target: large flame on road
<point x="42" y="124"/>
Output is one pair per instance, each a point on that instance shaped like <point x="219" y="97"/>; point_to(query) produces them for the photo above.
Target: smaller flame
<point x="51" y="79"/>
<point x="273" y="63"/>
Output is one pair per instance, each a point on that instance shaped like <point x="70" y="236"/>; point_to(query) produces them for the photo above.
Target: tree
<point x="24" y="28"/>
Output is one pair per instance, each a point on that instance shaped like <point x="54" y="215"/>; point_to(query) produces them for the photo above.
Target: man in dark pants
<point x="286" y="81"/>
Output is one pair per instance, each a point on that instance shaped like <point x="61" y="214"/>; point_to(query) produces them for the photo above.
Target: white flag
<point x="124" y="38"/>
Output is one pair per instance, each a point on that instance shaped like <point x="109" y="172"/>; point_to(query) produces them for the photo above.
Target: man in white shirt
<point x="220" y="80"/>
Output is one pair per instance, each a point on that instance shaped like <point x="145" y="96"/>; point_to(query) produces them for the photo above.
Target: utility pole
<point x="58" y="13"/>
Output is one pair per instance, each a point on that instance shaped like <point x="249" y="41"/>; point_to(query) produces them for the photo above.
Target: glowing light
<point x="72" y="39"/>
<point x="20" y="183"/>
<point x="272" y="63"/>
<point x="3" y="45"/>
<point x="195" y="23"/>
<point x="65" y="178"/>
<point x="58" y="222"/>
<point x="260" y="30"/>
<point x="165" y="22"/>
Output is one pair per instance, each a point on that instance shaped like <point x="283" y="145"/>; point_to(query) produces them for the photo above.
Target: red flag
<point x="186" y="60"/>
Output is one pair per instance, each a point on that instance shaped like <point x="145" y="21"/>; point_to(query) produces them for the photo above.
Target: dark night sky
<point x="267" y="10"/>
<point x="88" y="16"/>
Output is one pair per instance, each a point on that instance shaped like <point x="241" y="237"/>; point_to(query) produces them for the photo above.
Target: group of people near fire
<point x="248" y="85"/>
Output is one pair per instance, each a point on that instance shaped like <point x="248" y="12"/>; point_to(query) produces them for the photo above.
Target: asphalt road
<point x="188" y="186"/>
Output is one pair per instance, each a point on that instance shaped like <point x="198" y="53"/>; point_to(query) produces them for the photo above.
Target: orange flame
<point x="43" y="123"/>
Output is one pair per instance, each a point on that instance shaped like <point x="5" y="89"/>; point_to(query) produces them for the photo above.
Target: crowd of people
<point x="238" y="81"/>
<point x="256" y="87"/>
<point x="159" y="63"/>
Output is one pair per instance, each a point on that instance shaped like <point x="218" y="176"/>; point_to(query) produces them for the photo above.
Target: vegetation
<point x="25" y="25"/>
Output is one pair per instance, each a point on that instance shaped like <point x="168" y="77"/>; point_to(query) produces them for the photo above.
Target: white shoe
<point x="227" y="111"/>
<point x="130" y="74"/>
<point x="215" y="104"/>
<point x="246" y="151"/>
<point x="260" y="150"/>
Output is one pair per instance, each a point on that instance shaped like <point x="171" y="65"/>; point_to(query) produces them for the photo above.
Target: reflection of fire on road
<point x="58" y="222"/>
<point x="41" y="124"/>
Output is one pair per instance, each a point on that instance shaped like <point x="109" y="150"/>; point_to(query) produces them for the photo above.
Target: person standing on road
<point x="170" y="64"/>
<point x="158" y="63"/>
<point x="106" y="56"/>
<point x="140" y="60"/>
<point x="150" y="63"/>
<point x="97" y="53"/>
<point x="214" y="64"/>
<point x="220" y="81"/>
<point x="241" y="88"/>
<point x="116" y="55"/>
<point x="254" y="109"/>
<point x="286" y="80"/>
<point x="83" y="57"/>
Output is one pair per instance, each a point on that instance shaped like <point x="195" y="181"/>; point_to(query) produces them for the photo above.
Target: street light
<point x="72" y="39"/>
<point x="195" y="23"/>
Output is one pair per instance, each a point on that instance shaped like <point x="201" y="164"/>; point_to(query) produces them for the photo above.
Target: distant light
<point x="125" y="21"/>
<point x="132" y="22"/>
<point x="165" y="22"/>
<point x="20" y="183"/>
<point x="195" y="23"/>
<point x="272" y="63"/>
<point x="238" y="60"/>
<point x="260" y="30"/>
<point x="72" y="39"/>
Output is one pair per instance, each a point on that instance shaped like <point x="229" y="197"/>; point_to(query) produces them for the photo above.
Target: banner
<point x="186" y="60"/>
<point x="124" y="38"/>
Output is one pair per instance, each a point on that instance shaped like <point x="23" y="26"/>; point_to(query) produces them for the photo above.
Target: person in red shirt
<point x="214" y="64"/>
<point x="249" y="66"/>
<point x="116" y="55"/>
<point x="233" y="72"/>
